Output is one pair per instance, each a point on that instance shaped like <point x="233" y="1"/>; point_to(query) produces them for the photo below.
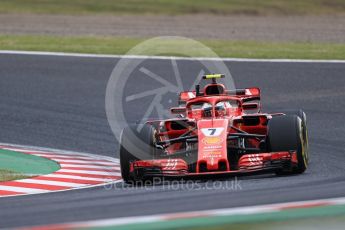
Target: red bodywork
<point x="209" y="139"/>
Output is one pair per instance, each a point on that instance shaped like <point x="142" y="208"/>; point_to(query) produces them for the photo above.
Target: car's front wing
<point x="248" y="163"/>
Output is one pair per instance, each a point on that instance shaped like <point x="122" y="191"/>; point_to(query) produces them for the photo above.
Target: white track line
<point x="57" y="183"/>
<point x="22" y="189"/>
<point x="85" y="164"/>
<point x="64" y="157"/>
<point x="88" y="160"/>
<point x="105" y="173"/>
<point x="74" y="177"/>
<point x="83" y="161"/>
<point x="165" y="57"/>
<point x="89" y="166"/>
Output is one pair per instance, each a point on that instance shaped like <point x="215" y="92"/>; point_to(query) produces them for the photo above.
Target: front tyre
<point x="287" y="133"/>
<point x="136" y="142"/>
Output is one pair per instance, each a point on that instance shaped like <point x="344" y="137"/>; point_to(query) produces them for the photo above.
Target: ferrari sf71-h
<point x="215" y="131"/>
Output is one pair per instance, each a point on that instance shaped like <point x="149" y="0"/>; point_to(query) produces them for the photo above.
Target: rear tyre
<point x="136" y="142"/>
<point x="287" y="133"/>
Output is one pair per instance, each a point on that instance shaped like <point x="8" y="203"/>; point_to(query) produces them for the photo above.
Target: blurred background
<point x="233" y="28"/>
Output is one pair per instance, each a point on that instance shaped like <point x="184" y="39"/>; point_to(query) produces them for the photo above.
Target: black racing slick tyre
<point x="136" y="142"/>
<point x="287" y="133"/>
<point x="301" y="114"/>
<point x="298" y="112"/>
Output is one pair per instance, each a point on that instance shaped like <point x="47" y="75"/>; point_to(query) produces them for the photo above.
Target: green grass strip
<point x="7" y="175"/>
<point x="12" y="163"/>
<point x="252" y="221"/>
<point x="118" y="45"/>
<point x="174" y="7"/>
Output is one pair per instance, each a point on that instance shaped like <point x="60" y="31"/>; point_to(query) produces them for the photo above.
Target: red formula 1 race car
<point x="216" y="131"/>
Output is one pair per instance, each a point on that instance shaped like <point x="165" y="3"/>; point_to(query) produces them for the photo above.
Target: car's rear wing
<point x="252" y="92"/>
<point x="251" y="99"/>
<point x="248" y="94"/>
<point x="185" y="96"/>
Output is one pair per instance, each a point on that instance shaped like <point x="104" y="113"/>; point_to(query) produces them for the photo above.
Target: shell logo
<point x="212" y="140"/>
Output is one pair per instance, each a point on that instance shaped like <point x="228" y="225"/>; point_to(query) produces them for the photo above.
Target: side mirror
<point x="178" y="110"/>
<point x="250" y="106"/>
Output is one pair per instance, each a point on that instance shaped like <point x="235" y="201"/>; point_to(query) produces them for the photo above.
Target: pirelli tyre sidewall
<point x="287" y="133"/>
<point x="301" y="114"/>
<point x="136" y="143"/>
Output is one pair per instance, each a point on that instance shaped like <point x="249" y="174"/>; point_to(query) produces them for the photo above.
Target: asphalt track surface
<point x="58" y="102"/>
